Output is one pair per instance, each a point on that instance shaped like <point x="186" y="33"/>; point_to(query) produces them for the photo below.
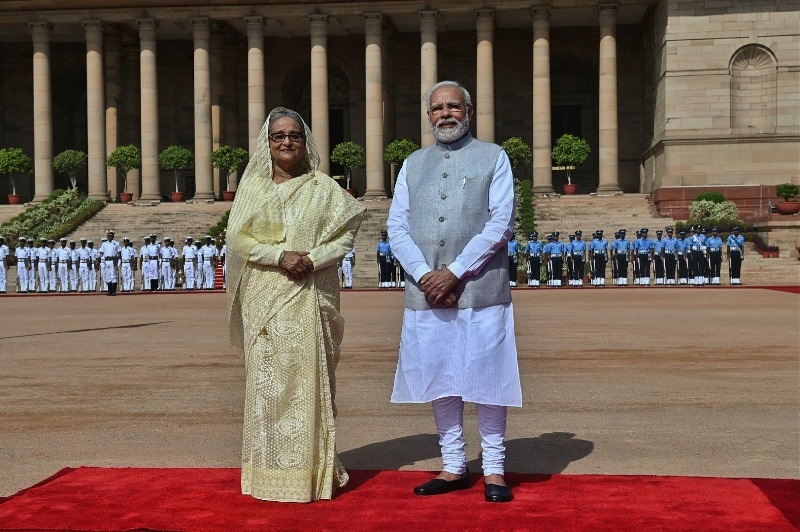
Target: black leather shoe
<point x="497" y="493"/>
<point x="438" y="486"/>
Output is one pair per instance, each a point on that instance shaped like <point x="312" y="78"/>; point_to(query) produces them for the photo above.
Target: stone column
<point x="608" y="134"/>
<point x="204" y="187"/>
<point x="256" y="112"/>
<point x="42" y="112"/>
<point x="374" y="106"/>
<point x="484" y="93"/>
<point x="95" y="111"/>
<point x="148" y="81"/>
<point x="320" y="121"/>
<point x="542" y="129"/>
<point x="131" y="123"/>
<point x="217" y="90"/>
<point x="113" y="95"/>
<point x="428" y="69"/>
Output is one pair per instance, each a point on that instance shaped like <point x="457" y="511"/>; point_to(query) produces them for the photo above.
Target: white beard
<point x="450" y="134"/>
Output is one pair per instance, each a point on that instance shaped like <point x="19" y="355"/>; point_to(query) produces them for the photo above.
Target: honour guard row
<point x="693" y="258"/>
<point x="390" y="273"/>
<point x="43" y="267"/>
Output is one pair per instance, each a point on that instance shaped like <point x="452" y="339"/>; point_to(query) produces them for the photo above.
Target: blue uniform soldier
<point x="598" y="254"/>
<point x="533" y="251"/>
<point x="697" y="255"/>
<point x="714" y="246"/>
<point x="546" y="255"/>
<point x="385" y="261"/>
<point x="644" y="252"/>
<point x="568" y="254"/>
<point x="658" y="256"/>
<point x="623" y="249"/>
<point x="670" y="251"/>
<point x="513" y="260"/>
<point x="682" y="251"/>
<point x="557" y="251"/>
<point x="578" y="257"/>
<point x="735" y="248"/>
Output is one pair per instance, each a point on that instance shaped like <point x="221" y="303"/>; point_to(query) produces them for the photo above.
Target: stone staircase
<point x="174" y="220"/>
<point x="757" y="270"/>
<point x="365" y="273"/>
<point x="9" y="211"/>
<point x="566" y="214"/>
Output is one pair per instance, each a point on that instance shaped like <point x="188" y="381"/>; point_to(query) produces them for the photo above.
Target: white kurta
<point x="470" y="353"/>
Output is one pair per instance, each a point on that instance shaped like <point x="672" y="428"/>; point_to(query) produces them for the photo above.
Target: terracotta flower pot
<point x="125" y="197"/>
<point x="570" y="189"/>
<point x="14" y="199"/>
<point x="176" y="197"/>
<point x="228" y="195"/>
<point x="788" y="207"/>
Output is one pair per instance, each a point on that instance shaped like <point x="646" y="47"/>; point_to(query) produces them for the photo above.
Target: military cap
<point x="623" y="231"/>
<point x="643" y="230"/>
<point x="71" y="242"/>
<point x="534" y="234"/>
<point x="208" y="237"/>
<point x="90" y="242"/>
<point x="714" y="230"/>
<point x="83" y="240"/>
<point x="104" y="239"/>
<point x="669" y="230"/>
<point x="126" y="239"/>
<point x="578" y="232"/>
<point x="51" y="241"/>
<point x="659" y="232"/>
<point x="698" y="228"/>
<point x="22" y="239"/>
<point x="110" y="232"/>
<point x="735" y="227"/>
<point x="682" y="232"/>
<point x="556" y="233"/>
<point x="384" y="233"/>
<point x="599" y="231"/>
<point x="572" y="237"/>
<point x="189" y="238"/>
<point x="62" y="239"/>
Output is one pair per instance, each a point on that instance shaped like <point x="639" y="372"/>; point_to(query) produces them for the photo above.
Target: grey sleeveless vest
<point x="448" y="187"/>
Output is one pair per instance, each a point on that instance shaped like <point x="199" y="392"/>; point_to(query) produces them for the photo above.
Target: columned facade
<point x="542" y="142"/>
<point x="484" y="83"/>
<point x="428" y="69"/>
<point x="320" y="121"/>
<point x="204" y="187"/>
<point x="42" y="112"/>
<point x="373" y="96"/>
<point x="149" y="108"/>
<point x="95" y="110"/>
<point x="609" y="150"/>
<point x="667" y="96"/>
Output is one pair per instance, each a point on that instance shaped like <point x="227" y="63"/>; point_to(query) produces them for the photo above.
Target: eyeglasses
<point x="278" y="138"/>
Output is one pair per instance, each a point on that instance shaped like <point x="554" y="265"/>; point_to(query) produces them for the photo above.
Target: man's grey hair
<point x="428" y="95"/>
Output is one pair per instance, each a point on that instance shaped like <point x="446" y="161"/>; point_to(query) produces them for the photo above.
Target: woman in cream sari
<point x="289" y="226"/>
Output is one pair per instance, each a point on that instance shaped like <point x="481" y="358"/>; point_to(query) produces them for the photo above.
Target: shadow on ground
<point x="547" y="454"/>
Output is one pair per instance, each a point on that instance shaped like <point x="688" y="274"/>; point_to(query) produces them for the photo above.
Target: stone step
<point x="174" y="220"/>
<point x="9" y="211"/>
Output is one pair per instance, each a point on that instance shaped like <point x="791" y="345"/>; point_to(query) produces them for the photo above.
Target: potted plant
<point x="176" y="159"/>
<point x="230" y="160"/>
<point x="125" y="159"/>
<point x="350" y="155"/>
<point x="787" y="191"/>
<point x="519" y="153"/>
<point x="70" y="162"/>
<point x="569" y="153"/>
<point x="395" y="153"/>
<point x="14" y="160"/>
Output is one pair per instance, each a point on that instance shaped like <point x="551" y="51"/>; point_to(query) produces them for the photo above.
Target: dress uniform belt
<point x="152" y="257"/>
<point x="84" y="261"/>
<point x="670" y="251"/>
<point x="165" y="260"/>
<point x="714" y="250"/>
<point x="62" y="262"/>
<point x="644" y="253"/>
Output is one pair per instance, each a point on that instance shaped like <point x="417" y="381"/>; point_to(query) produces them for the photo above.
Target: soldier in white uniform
<point x="128" y="261"/>
<point x="4" y="252"/>
<point x="32" y="269"/>
<point x="173" y="265"/>
<point x="21" y="254"/>
<point x="152" y="264"/>
<point x="94" y="265"/>
<point x="110" y="262"/>
<point x="165" y="256"/>
<point x="209" y="255"/>
<point x="53" y="268"/>
<point x="63" y="258"/>
<point x="73" y="267"/>
<point x="84" y="265"/>
<point x="43" y="256"/>
<point x="348" y="262"/>
<point x="189" y="254"/>
<point x="144" y="265"/>
<point x="222" y="253"/>
<point x="198" y="273"/>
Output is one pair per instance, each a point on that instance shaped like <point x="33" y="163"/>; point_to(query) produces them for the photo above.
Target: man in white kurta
<point x="450" y="219"/>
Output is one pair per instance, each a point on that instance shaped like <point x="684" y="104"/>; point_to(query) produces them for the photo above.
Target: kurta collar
<point x="457" y="145"/>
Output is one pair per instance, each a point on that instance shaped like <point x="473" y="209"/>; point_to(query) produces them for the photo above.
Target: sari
<point x="288" y="330"/>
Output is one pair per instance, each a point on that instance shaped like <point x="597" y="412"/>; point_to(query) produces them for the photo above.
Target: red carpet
<point x="209" y="499"/>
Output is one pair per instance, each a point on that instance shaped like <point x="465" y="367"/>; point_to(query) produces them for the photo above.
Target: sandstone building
<point x="672" y="95"/>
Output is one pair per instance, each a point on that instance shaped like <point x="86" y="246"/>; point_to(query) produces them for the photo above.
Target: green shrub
<point x="787" y="191"/>
<point x="715" y="197"/>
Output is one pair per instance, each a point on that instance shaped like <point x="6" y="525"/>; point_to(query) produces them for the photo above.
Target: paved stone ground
<point x="636" y="381"/>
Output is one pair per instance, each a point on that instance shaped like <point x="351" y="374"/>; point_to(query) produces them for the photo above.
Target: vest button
<point x="444" y="196"/>
<point x="441" y="218"/>
<point x="446" y="155"/>
<point x="444" y="265"/>
<point x="441" y="242"/>
<point x="444" y="174"/>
